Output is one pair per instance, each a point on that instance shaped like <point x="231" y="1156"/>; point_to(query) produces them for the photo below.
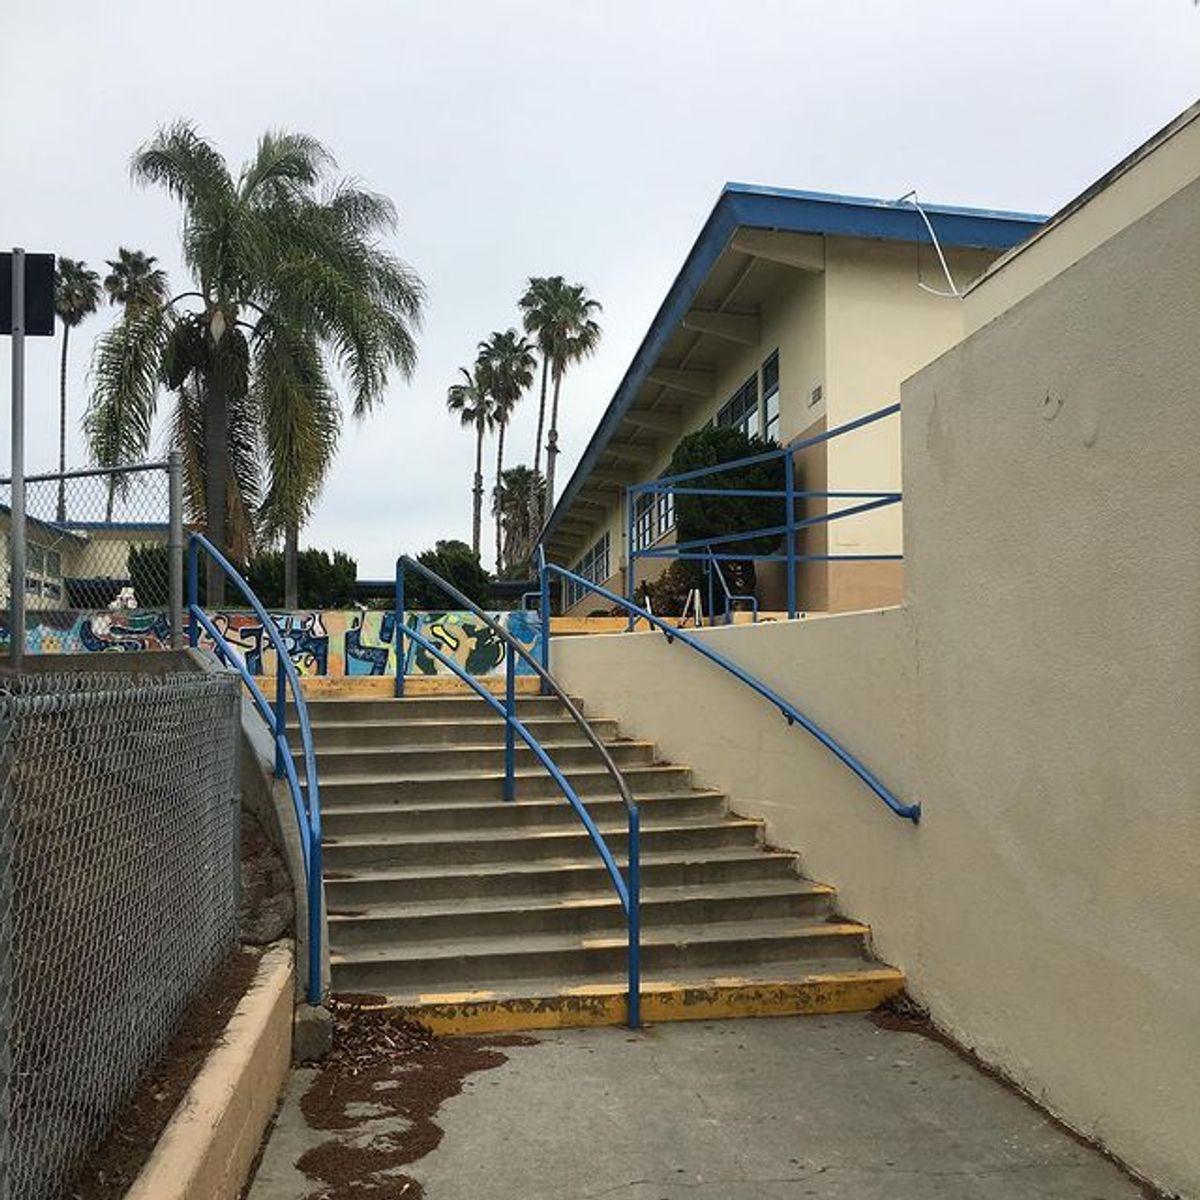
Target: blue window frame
<point x="770" y="395"/>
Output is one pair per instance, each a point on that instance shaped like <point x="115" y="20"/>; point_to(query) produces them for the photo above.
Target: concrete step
<point x="817" y="985"/>
<point x="386" y="733"/>
<point x="385" y="925"/>
<point x="425" y="708"/>
<point x="418" y="761"/>
<point x="537" y="843"/>
<point x="514" y="882"/>
<point x="729" y="945"/>
<point x="351" y="820"/>
<point x="489" y="785"/>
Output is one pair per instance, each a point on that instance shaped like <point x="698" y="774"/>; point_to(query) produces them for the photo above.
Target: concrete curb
<point x="206" y="1151"/>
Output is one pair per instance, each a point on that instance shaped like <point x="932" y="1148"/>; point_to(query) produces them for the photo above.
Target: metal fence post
<point x="510" y="708"/>
<point x="281" y="691"/>
<point x="789" y="468"/>
<point x="16" y="530"/>
<point x="175" y="544"/>
<point x="633" y="887"/>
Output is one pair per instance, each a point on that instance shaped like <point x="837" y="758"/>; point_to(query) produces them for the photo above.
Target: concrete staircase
<point x="475" y="914"/>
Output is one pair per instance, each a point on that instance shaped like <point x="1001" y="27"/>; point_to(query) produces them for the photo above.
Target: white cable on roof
<point x="953" y="293"/>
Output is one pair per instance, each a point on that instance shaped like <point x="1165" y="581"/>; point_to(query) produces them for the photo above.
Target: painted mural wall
<point x="321" y="642"/>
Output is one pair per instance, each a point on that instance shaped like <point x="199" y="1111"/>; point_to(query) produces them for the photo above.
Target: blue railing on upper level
<point x="685" y="484"/>
<point x="790" y="712"/>
<point x="628" y="887"/>
<point x="306" y="796"/>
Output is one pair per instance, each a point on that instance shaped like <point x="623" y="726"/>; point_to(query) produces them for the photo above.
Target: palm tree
<point x="284" y="274"/>
<point x="561" y="315"/>
<point x="536" y="304"/>
<point x="510" y="364"/>
<point x="133" y="280"/>
<point x="76" y="296"/>
<point x="471" y="400"/>
<point x="517" y="501"/>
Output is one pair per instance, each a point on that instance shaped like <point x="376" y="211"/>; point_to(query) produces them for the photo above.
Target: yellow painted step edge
<point x="716" y="999"/>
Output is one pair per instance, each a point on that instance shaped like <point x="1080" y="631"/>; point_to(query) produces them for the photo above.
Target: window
<point x="653" y="516"/>
<point x="43" y="569"/>
<point x="741" y="412"/>
<point x="593" y="566"/>
<point x="770" y="392"/>
<point x="666" y="512"/>
<point x="644" y="514"/>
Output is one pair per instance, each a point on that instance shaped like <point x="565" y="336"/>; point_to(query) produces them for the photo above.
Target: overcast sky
<point x="523" y="137"/>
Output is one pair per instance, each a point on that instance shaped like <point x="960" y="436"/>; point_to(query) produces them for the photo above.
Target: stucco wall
<point x="1039" y="694"/>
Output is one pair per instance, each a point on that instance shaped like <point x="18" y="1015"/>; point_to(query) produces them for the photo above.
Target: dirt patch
<point x="268" y="909"/>
<point x="115" y="1164"/>
<point x="383" y="1067"/>
<point x="902" y="1014"/>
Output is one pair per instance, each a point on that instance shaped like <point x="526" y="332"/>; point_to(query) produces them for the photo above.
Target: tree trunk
<point x="535" y="499"/>
<point x="216" y="481"/>
<point x="552" y="445"/>
<point x="62" y="426"/>
<point x="291" y="567"/>
<point x="477" y="491"/>
<point x="496" y="499"/>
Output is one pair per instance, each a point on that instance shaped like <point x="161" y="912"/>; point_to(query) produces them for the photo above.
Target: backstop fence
<point x="95" y="540"/>
<point x="119" y="890"/>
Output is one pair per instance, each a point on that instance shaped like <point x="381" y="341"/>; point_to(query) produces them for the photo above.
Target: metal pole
<point x="633" y="886"/>
<point x="630" y="556"/>
<point x="281" y="715"/>
<point x="175" y="544"/>
<point x="544" y="609"/>
<point x="789" y="469"/>
<point x="193" y="587"/>
<point x="398" y="634"/>
<point x="510" y="709"/>
<point x="708" y="572"/>
<point x="16" y="533"/>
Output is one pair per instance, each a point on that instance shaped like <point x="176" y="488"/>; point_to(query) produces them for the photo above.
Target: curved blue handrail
<point x="791" y="713"/>
<point x="628" y="890"/>
<point x="306" y="797"/>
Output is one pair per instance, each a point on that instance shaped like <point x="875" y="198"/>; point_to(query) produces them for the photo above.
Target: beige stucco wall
<point x="1039" y="694"/>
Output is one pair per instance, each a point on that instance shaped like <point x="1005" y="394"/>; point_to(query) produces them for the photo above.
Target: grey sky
<point x="554" y="136"/>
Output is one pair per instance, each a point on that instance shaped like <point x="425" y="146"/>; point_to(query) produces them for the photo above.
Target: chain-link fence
<point x="119" y="869"/>
<point x="96" y="542"/>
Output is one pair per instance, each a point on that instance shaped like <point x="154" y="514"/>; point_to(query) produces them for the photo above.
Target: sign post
<point x="16" y="529"/>
<point x="31" y="312"/>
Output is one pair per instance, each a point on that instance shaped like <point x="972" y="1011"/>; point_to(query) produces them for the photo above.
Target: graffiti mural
<point x="323" y="642"/>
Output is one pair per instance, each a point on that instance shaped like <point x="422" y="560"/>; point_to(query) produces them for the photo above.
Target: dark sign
<point x="39" y="294"/>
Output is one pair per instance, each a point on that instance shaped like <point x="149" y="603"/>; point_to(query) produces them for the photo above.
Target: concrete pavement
<point x="829" y="1107"/>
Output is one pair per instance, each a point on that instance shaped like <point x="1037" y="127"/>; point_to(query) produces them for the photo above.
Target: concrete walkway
<point x="829" y="1107"/>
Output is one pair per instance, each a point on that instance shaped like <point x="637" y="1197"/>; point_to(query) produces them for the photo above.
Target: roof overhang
<point x="785" y="226"/>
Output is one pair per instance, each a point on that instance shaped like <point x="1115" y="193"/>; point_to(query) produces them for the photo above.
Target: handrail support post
<point x="280" y="714"/>
<point x="789" y="469"/>
<point x="633" y="922"/>
<point x="398" y="630"/>
<point x="510" y="710"/>
<point x="544" y="611"/>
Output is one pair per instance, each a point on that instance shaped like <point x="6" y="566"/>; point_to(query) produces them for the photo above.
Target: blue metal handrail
<point x="628" y="889"/>
<point x="306" y="797"/>
<point x="702" y="550"/>
<point x="791" y="713"/>
<point x="712" y="566"/>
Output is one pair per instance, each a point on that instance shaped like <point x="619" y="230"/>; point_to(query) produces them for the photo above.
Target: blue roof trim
<point x="749" y="206"/>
